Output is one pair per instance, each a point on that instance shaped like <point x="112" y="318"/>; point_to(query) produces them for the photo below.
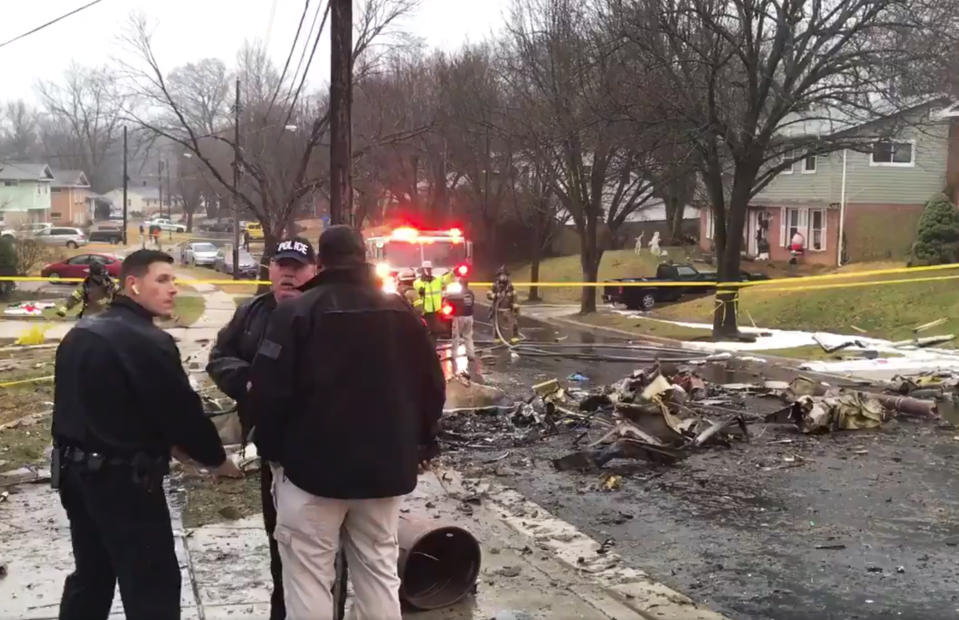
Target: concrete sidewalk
<point x="225" y="566"/>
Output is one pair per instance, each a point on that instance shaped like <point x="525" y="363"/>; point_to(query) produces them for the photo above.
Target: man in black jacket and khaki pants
<point x="349" y="392"/>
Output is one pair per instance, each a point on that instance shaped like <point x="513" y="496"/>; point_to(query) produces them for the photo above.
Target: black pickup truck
<point x="640" y="297"/>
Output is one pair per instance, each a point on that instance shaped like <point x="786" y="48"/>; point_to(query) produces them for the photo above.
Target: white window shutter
<point x="783" y="241"/>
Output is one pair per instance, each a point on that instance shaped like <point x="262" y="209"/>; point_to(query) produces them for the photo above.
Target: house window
<point x="54" y="215"/>
<point x="889" y="153"/>
<point x="10" y="183"/>
<point x="787" y="156"/>
<point x="795" y="222"/>
<point x="56" y="190"/>
<point x="809" y="164"/>
<point x="810" y="223"/>
<point x="817" y="230"/>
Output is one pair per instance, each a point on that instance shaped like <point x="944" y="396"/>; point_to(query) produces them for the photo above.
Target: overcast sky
<point x="191" y="29"/>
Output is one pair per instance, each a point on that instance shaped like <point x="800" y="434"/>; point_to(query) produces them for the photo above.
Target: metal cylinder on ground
<point x="438" y="564"/>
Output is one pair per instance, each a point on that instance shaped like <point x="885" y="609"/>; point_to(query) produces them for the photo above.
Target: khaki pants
<point x="308" y="536"/>
<point x="463" y="330"/>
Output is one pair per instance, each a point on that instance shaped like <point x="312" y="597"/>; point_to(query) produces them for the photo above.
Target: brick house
<point x="867" y="201"/>
<point x="70" y="198"/>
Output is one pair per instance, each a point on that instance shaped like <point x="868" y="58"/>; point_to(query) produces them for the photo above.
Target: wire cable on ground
<point x="569" y="350"/>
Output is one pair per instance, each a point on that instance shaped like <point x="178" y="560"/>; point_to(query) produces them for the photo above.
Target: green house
<point x="24" y="193"/>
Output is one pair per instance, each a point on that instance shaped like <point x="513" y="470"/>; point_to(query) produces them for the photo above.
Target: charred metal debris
<point x="664" y="413"/>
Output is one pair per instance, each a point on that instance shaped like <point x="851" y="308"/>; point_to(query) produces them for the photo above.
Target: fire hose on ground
<point x="588" y="351"/>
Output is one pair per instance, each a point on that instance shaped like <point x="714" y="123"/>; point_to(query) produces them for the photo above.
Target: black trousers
<point x="121" y="533"/>
<point x="277" y="606"/>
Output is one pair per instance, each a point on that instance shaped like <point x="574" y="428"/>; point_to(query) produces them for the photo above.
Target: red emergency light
<point x="446" y="310"/>
<point x="462" y="270"/>
<point x="456" y="232"/>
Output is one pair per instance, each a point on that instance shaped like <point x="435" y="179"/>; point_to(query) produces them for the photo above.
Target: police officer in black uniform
<point x="112" y="447"/>
<point x="293" y="264"/>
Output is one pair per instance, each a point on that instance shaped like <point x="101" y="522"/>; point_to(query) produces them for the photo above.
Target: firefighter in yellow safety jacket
<point x="429" y="291"/>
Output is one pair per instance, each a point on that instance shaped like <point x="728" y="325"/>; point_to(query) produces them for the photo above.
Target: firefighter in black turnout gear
<point x="95" y="292"/>
<point x="112" y="447"/>
<point x="293" y="264"/>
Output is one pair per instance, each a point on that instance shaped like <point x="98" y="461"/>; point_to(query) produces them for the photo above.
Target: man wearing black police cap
<point x="112" y="447"/>
<point x="292" y="265"/>
<point x="349" y="392"/>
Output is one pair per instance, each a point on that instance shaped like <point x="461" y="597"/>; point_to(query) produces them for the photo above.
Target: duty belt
<point x="93" y="460"/>
<point x="144" y="467"/>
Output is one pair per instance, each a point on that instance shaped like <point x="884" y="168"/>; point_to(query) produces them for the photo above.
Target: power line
<point x="306" y="44"/>
<point x="286" y="65"/>
<point x="50" y="23"/>
<point x="309" y="61"/>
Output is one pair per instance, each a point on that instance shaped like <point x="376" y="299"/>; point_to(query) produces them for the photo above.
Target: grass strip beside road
<point x="214" y="501"/>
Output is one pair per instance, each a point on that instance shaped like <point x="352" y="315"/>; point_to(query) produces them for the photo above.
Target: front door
<point x="752" y="227"/>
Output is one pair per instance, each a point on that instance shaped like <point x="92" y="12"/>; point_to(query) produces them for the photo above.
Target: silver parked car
<point x="69" y="237"/>
<point x="249" y="267"/>
<point x="198" y="253"/>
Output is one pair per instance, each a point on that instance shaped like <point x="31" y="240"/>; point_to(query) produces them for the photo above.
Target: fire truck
<point x="400" y="253"/>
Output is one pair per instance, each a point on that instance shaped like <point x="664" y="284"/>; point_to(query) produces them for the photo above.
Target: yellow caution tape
<point x="859" y="284"/>
<point x="666" y="283"/>
<point x="7" y="384"/>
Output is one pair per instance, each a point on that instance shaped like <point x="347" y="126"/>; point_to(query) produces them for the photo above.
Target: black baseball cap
<point x="297" y="248"/>
<point x="341" y="244"/>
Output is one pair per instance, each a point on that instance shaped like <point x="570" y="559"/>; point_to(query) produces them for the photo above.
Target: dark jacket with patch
<point x="120" y="389"/>
<point x="349" y="389"/>
<point x="232" y="354"/>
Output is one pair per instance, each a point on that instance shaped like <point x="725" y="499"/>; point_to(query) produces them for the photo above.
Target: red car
<point x="79" y="266"/>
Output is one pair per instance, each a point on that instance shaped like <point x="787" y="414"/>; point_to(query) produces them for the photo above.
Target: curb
<point x="629" y="587"/>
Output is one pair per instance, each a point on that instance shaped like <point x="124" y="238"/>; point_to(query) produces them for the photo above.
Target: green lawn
<point x="188" y="308"/>
<point x="883" y="311"/>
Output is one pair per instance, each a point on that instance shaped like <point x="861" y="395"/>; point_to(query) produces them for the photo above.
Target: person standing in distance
<point x="112" y="447"/>
<point x="292" y="265"/>
<point x="349" y="392"/>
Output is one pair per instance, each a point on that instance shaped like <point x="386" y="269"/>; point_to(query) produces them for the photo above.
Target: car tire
<point x="645" y="302"/>
<point x="72" y="245"/>
<point x="53" y="275"/>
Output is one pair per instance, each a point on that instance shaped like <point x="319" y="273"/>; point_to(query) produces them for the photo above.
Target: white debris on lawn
<point x="904" y="360"/>
<point x="28" y="308"/>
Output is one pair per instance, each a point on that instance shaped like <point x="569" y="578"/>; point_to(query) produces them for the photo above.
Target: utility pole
<point x="341" y="86"/>
<point x="125" y="182"/>
<point x="236" y="183"/>
<point x="160" y="185"/>
<point x="169" y="200"/>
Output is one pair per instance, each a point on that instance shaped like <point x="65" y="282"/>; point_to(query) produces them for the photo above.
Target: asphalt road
<point x="856" y="524"/>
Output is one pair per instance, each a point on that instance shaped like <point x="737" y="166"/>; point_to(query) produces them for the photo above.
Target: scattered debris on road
<point x="665" y="412"/>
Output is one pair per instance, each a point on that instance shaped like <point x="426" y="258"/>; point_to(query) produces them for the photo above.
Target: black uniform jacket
<point x="349" y="389"/>
<point x="120" y="389"/>
<point x="232" y="354"/>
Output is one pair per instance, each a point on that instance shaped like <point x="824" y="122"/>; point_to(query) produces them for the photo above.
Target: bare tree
<point x="18" y="131"/>
<point x="562" y="65"/>
<point x="85" y="113"/>
<point x="282" y="126"/>
<point x="204" y="89"/>
<point x="756" y="85"/>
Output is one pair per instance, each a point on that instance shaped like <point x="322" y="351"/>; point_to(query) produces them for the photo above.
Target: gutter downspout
<point x="842" y="210"/>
